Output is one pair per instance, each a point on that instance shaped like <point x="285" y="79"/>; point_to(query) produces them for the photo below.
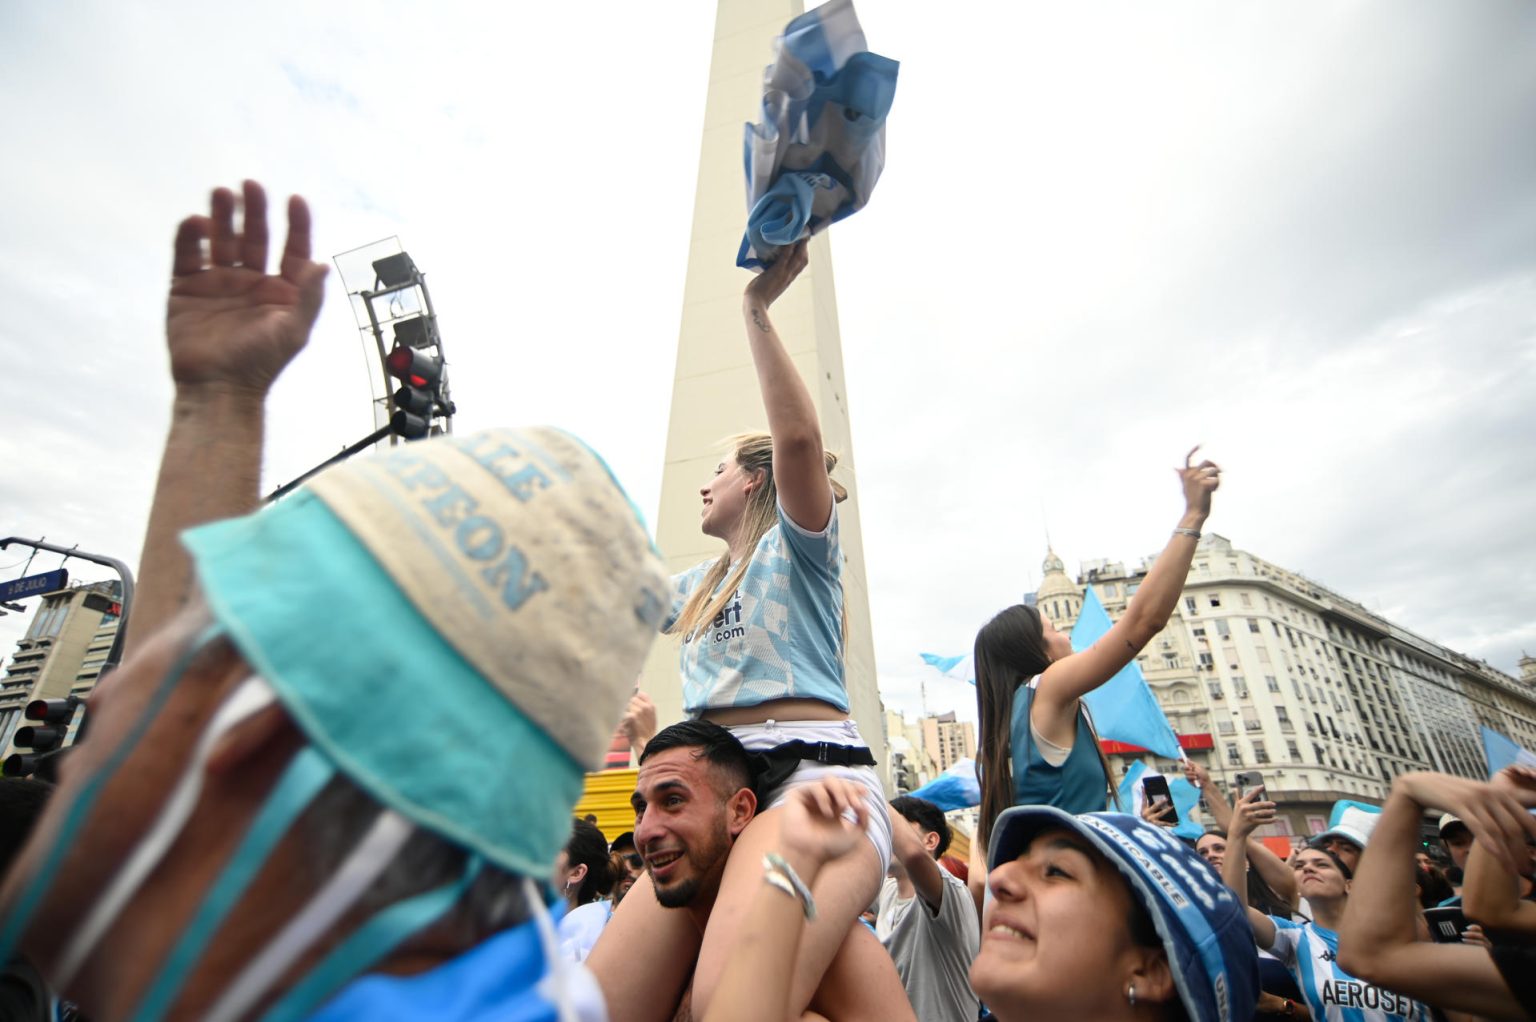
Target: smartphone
<point x="1247" y="781"/>
<point x="1155" y="790"/>
<point x="1446" y="924"/>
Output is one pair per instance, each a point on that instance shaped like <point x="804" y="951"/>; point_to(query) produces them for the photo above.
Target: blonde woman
<point x="762" y="654"/>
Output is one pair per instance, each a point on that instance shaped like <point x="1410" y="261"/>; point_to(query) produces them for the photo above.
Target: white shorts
<point x="761" y="737"/>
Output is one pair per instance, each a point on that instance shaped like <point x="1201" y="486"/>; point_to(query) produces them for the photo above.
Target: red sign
<point x="1196" y="742"/>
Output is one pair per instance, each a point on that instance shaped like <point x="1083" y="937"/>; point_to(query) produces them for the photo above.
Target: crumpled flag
<point x="820" y="148"/>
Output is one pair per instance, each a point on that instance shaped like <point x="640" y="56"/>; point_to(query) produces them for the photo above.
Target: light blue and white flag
<point x="960" y="668"/>
<point x="955" y="788"/>
<point x="1503" y="751"/>
<point x="1123" y="708"/>
<point x="820" y="148"/>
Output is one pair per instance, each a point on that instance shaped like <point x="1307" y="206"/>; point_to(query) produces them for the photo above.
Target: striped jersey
<point x="1311" y="953"/>
<point x="780" y="636"/>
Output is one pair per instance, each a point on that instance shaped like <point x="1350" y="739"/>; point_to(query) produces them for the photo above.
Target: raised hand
<point x="816" y="826"/>
<point x="1199" y="481"/>
<point x="775" y="280"/>
<point x="229" y="324"/>
<point x="639" y="721"/>
<point x="1495" y="812"/>
<point x="1248" y="815"/>
<point x="1160" y="813"/>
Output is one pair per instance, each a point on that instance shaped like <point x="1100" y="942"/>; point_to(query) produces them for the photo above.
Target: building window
<point x="1233" y="756"/>
<point x="1189" y="605"/>
<point x="1170" y="660"/>
<point x="1253" y="625"/>
<point x="1111" y="590"/>
<point x="1206" y="661"/>
<point x="1260" y="754"/>
<point x="1215" y="689"/>
<point x="1283" y="716"/>
<point x="1273" y="684"/>
<point x="1215" y="599"/>
<point x="1291" y="750"/>
<point x="1226" y="727"/>
<point x="1198" y="633"/>
<point x="1240" y="687"/>
<point x="1222" y="629"/>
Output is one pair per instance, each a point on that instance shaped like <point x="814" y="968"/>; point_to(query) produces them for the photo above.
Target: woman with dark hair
<point x="581" y="869"/>
<point x="1106" y="916"/>
<point x="1310" y="949"/>
<point x="1037" y="745"/>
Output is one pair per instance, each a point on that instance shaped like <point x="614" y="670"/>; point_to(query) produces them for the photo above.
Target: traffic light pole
<point x="115" y="653"/>
<point x="343" y="455"/>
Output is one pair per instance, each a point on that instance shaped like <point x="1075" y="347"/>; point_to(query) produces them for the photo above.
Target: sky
<point x="1303" y="235"/>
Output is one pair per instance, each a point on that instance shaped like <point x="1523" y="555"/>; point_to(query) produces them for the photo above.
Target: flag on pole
<point x="820" y="148"/>
<point x="1123" y="708"/>
<point x="1503" y="751"/>
<point x="955" y="788"/>
<point x="959" y="667"/>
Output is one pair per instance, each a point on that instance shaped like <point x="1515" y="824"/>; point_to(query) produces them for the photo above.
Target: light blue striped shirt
<point x="1311" y="953"/>
<point x="781" y="637"/>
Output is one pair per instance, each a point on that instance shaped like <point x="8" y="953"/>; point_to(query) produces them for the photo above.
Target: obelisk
<point x="714" y="387"/>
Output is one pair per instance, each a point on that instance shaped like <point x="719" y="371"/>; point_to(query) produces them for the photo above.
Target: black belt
<point x="772" y="767"/>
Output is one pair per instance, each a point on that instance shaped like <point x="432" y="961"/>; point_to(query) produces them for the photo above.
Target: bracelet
<point x="1191" y="533"/>
<point x="782" y="875"/>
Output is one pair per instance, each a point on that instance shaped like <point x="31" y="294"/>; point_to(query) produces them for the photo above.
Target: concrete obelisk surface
<point x="714" y="388"/>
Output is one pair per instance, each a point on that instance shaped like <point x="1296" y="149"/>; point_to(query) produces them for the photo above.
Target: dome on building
<point x="1056" y="581"/>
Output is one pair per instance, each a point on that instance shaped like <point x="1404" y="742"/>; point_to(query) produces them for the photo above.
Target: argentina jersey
<point x="780" y="636"/>
<point x="1311" y="953"/>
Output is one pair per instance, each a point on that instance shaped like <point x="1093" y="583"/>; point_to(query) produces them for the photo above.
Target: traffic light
<point x="416" y="399"/>
<point x="47" y="736"/>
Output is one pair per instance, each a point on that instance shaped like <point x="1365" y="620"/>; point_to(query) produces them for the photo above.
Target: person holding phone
<point x="1037" y="745"/>
<point x="1310" y="949"/>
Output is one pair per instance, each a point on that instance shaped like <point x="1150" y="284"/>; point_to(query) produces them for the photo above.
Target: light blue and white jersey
<point x="1311" y="953"/>
<point x="781" y="636"/>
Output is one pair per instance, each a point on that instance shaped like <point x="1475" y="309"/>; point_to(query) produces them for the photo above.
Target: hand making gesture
<point x="1200" y="481"/>
<point x="229" y="324"/>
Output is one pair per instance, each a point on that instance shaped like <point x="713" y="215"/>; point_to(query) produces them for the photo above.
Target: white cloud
<point x="1106" y="231"/>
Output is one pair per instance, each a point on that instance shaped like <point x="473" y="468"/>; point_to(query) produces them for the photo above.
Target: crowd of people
<point x="251" y="832"/>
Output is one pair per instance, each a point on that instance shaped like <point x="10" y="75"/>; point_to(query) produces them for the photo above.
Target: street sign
<point x="34" y="585"/>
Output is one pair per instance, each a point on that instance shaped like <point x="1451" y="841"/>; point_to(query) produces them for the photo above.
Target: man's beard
<point x="708" y="863"/>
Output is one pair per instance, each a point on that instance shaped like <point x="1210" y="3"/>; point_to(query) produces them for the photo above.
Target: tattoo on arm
<point x="760" y="320"/>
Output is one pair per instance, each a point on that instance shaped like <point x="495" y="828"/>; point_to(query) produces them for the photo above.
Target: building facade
<point x="946" y="739"/>
<point x="1260" y="668"/>
<point x="62" y="653"/>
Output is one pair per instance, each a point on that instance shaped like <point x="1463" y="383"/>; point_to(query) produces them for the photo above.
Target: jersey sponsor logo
<point x="1351" y="993"/>
<point x="727" y="624"/>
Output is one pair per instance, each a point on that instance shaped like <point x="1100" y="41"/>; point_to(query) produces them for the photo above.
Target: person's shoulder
<point x="1282" y="923"/>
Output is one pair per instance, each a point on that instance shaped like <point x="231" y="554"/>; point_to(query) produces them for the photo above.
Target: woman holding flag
<point x="1037" y="745"/>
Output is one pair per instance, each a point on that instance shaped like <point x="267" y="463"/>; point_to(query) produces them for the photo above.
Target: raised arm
<point x="1377" y="941"/>
<point x="1072" y="677"/>
<point x="799" y="466"/>
<point x="1248" y="815"/>
<point x="230" y="329"/>
<point x="914" y="858"/>
<point x="1491" y="892"/>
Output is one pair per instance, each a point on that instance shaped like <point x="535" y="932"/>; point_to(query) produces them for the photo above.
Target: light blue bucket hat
<point x="456" y="625"/>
